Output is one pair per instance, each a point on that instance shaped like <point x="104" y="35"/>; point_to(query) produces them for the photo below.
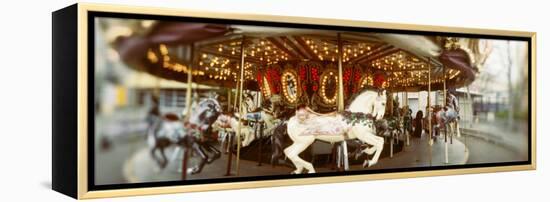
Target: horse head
<point x="370" y="102"/>
<point x="379" y="105"/>
<point x="205" y="114"/>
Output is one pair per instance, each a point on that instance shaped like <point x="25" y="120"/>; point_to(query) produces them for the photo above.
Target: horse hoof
<point x="372" y="163"/>
<point x="366" y="164"/>
<point x="193" y="171"/>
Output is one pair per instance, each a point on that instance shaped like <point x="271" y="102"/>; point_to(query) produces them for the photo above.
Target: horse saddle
<point x="171" y="117"/>
<point x="254" y="116"/>
<point x="310" y="111"/>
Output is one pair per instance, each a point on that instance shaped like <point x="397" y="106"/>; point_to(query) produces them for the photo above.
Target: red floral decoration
<point x="276" y="80"/>
<point x="347" y="78"/>
<point x="379" y="80"/>
<point x="302" y="73"/>
<point x="356" y="79"/>
<point x="273" y="76"/>
<point x="315" y="77"/>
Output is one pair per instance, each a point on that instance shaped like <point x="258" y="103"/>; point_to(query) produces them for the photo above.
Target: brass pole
<point x="430" y="141"/>
<point x="240" y="93"/>
<point x="340" y="80"/>
<point x="236" y="96"/>
<point x="406" y="103"/>
<point x="470" y="114"/>
<point x="341" y="95"/>
<point x="444" y="103"/>
<point x="188" y="94"/>
<point x="188" y="97"/>
<point x="229" y="99"/>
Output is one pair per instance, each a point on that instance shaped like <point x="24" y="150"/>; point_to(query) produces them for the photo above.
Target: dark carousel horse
<point x="279" y="135"/>
<point x="277" y="142"/>
<point x="407" y="120"/>
<point x="159" y="142"/>
<point x="194" y="135"/>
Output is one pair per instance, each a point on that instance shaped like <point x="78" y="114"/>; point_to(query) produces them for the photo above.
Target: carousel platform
<point x="141" y="167"/>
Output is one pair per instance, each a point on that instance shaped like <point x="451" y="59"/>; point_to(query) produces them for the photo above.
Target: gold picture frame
<point x="78" y="186"/>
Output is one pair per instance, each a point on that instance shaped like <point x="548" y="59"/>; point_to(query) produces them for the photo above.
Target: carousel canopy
<point x="308" y="58"/>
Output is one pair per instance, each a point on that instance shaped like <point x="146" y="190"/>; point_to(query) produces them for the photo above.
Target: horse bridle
<point x="194" y="126"/>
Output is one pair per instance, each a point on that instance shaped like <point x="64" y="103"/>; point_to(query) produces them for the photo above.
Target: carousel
<point x="284" y="89"/>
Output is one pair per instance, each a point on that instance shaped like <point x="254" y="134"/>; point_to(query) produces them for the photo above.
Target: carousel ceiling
<point x="217" y="56"/>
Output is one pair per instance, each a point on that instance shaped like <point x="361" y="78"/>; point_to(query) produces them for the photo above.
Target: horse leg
<point x="294" y="150"/>
<point x="214" y="150"/>
<point x="203" y="157"/>
<point x="175" y="154"/>
<point x="309" y="167"/>
<point x="164" y="159"/>
<point x="332" y="158"/>
<point x="277" y="140"/>
<point x="366" y="136"/>
<point x="260" y="146"/>
<point x="276" y="147"/>
<point x="369" y="150"/>
<point x="290" y="153"/>
<point x="273" y="150"/>
<point x="451" y="135"/>
<point x="155" y="156"/>
<point x="225" y="142"/>
<point x="248" y="138"/>
<point x="457" y="129"/>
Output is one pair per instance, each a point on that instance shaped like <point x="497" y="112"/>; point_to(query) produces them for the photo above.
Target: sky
<point x="493" y="76"/>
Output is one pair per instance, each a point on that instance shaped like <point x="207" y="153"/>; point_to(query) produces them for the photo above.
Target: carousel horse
<point x="192" y="135"/>
<point x="199" y="138"/>
<point x="408" y="119"/>
<point x="307" y="126"/>
<point x="390" y="127"/>
<point x="277" y="141"/>
<point x="447" y="116"/>
<point x="393" y="125"/>
<point x="260" y="116"/>
<point x="163" y="133"/>
<point x="254" y="115"/>
<point x="279" y="133"/>
<point x="230" y="121"/>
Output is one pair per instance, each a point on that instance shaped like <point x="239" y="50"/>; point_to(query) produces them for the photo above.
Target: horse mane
<point x="355" y="95"/>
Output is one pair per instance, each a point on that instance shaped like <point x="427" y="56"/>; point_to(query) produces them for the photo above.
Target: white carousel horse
<point x="306" y="127"/>
<point x="231" y="122"/>
<point x="247" y="132"/>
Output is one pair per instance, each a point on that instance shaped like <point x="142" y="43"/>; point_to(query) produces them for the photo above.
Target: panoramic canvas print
<point x="197" y="101"/>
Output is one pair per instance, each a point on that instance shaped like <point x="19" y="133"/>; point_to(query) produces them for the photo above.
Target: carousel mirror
<point x="290" y="85"/>
<point x="329" y="83"/>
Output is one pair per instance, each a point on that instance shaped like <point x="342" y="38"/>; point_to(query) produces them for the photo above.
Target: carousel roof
<point x="403" y="60"/>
